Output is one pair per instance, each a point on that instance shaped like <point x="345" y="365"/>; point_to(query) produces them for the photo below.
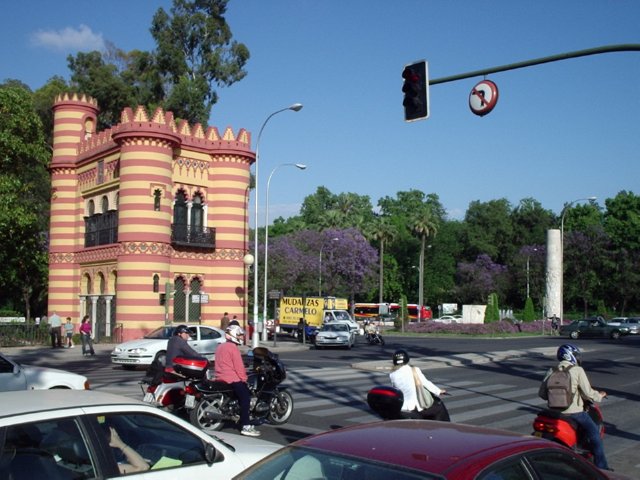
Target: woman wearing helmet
<point x="403" y="377"/>
<point x="229" y="368"/>
<point x="178" y="347"/>
<point x="570" y="358"/>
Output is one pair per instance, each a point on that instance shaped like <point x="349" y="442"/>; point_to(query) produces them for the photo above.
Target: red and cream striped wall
<point x="124" y="167"/>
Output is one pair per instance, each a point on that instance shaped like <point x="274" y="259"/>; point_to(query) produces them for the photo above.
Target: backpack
<point x="559" y="393"/>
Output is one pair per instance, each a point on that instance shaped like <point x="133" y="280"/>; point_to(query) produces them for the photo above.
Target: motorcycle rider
<point x="402" y="378"/>
<point x="178" y="347"/>
<point x="570" y="356"/>
<point x="369" y="329"/>
<point x="229" y="368"/>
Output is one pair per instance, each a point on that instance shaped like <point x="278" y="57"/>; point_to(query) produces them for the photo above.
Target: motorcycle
<point x="553" y="425"/>
<point x="212" y="403"/>
<point x="374" y="338"/>
<point x="166" y="390"/>
<point x="387" y="403"/>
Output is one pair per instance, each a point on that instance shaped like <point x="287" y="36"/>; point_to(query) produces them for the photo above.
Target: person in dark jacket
<point x="178" y="346"/>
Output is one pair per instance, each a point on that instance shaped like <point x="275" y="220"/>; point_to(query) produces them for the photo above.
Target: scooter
<point x="387" y="402"/>
<point x="553" y="425"/>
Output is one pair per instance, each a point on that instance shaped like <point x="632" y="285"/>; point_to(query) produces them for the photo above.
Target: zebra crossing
<point x="340" y="394"/>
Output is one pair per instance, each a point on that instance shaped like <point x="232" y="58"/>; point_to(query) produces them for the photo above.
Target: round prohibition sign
<point x="483" y="97"/>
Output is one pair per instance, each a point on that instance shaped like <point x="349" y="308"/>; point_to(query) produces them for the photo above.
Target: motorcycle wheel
<point x="198" y="415"/>
<point x="381" y="341"/>
<point x="281" y="408"/>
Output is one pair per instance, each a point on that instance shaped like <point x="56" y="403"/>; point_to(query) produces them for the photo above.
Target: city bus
<point x="370" y="311"/>
<point x="412" y="310"/>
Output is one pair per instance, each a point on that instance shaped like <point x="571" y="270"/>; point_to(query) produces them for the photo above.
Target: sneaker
<point x="250" y="431"/>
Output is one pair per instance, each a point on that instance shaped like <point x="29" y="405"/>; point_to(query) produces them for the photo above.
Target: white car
<point x="343" y="316"/>
<point x="335" y="334"/>
<point x="153" y="346"/>
<point x="448" y="319"/>
<point x="56" y="434"/>
<point x="15" y="376"/>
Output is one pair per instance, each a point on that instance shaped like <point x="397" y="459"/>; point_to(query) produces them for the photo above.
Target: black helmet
<point x="400" y="357"/>
<point x="181" y="329"/>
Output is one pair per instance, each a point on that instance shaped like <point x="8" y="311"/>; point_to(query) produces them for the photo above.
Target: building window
<point x="100" y="228"/>
<point x="197" y="214"/>
<point x="100" y="176"/>
<point x="180" y="216"/>
<point x="157" y="195"/>
<point x="156" y="283"/>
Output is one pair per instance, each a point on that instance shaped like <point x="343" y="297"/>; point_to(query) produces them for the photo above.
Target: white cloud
<point x="69" y="39"/>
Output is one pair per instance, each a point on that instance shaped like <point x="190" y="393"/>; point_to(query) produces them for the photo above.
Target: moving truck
<point x="315" y="311"/>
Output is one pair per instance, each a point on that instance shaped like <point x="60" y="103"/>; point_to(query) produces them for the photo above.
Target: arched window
<point x="197" y="214"/>
<point x="105" y="204"/>
<point x="179" y="300"/>
<point x="91" y="208"/>
<point x="180" y="217"/>
<point x="156" y="283"/>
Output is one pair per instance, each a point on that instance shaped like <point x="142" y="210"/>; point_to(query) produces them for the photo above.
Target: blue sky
<point x="560" y="131"/>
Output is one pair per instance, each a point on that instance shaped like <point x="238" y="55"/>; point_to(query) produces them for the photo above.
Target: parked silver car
<point x="153" y="346"/>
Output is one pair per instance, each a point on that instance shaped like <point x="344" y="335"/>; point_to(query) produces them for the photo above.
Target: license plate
<point x="189" y="401"/>
<point x="149" y="398"/>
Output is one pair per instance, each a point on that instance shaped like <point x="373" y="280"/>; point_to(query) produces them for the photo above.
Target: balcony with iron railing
<point x="194" y="237"/>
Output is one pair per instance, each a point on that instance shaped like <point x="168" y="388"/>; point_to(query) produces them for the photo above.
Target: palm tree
<point x="383" y="231"/>
<point x="424" y="224"/>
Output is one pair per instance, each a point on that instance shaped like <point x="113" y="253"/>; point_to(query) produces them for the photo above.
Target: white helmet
<point x="233" y="332"/>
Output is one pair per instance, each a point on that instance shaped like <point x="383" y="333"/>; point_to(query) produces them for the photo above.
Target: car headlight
<point x="138" y="350"/>
<point x="117" y="350"/>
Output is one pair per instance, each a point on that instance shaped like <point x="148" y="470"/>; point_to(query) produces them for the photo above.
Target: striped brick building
<point x="148" y="220"/>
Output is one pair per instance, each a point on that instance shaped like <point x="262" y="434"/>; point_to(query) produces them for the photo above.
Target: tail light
<point x="546" y="427"/>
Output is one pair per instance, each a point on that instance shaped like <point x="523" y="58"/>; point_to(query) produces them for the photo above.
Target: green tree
<point x="382" y="231"/>
<point x="424" y="225"/>
<point x="25" y="193"/>
<point x="529" y="314"/>
<point x="195" y="51"/>
<point x="492" y="313"/>
<point x="489" y="230"/>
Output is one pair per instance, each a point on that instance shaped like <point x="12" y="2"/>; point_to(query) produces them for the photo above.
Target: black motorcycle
<point x="212" y="403"/>
<point x="374" y="338"/>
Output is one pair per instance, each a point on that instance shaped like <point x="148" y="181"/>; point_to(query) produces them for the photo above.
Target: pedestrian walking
<point x="224" y="321"/>
<point x="68" y="330"/>
<point x="55" y="324"/>
<point x="85" y="335"/>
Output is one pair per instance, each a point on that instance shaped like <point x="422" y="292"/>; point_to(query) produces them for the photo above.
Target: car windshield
<point x="342" y="316"/>
<point x="307" y="464"/>
<point x="161" y="332"/>
<point x="334" y="327"/>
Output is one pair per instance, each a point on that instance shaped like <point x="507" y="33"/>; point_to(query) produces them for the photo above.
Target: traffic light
<point x="416" y="91"/>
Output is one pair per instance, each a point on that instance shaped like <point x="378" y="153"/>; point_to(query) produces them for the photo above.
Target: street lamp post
<point x="528" y="257"/>
<point x="335" y="239"/>
<point x="296" y="107"/>
<point x="564" y="211"/>
<point x="266" y="243"/>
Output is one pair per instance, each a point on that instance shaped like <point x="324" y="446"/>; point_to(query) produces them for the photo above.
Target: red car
<point x="421" y="449"/>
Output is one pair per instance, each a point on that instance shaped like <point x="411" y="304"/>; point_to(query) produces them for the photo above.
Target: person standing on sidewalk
<point x="55" y="324"/>
<point x="85" y="335"/>
<point x="68" y="331"/>
<point x="224" y="321"/>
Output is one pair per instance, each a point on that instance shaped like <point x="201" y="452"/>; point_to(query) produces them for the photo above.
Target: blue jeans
<point x="592" y="432"/>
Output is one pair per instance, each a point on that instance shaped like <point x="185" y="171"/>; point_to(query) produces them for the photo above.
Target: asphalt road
<point x="493" y="382"/>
